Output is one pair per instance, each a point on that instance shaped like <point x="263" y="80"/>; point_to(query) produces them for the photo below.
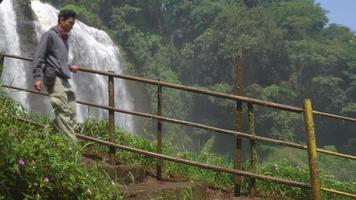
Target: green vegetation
<point x="293" y="164"/>
<point x="293" y="168"/>
<point x="277" y="165"/>
<point x="35" y="163"/>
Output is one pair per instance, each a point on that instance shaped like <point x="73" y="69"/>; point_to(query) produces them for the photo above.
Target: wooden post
<point x="312" y="154"/>
<point x="238" y="71"/>
<point x="2" y="58"/>
<point x="253" y="152"/>
<point x="159" y="132"/>
<point x="111" y="92"/>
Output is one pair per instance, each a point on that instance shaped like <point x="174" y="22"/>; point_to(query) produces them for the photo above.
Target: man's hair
<point x="66" y="14"/>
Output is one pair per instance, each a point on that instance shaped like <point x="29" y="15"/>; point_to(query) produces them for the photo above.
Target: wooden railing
<point x="251" y="102"/>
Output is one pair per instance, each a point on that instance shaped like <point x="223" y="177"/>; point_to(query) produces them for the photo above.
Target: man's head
<point x="66" y="20"/>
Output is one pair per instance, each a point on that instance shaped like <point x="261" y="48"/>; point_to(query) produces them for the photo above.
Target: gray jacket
<point x="52" y="54"/>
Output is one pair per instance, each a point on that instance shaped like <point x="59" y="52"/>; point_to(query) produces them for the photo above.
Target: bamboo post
<point x="253" y="152"/>
<point x="312" y="154"/>
<point x="2" y="58"/>
<point x="159" y="132"/>
<point x="111" y="92"/>
<point x="238" y="71"/>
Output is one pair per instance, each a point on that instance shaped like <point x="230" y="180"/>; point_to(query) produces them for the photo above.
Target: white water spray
<point x="89" y="48"/>
<point x="13" y="70"/>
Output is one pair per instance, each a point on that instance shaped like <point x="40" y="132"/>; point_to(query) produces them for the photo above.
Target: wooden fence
<point x="307" y="111"/>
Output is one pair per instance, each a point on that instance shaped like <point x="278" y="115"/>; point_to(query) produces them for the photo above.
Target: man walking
<point x="51" y="60"/>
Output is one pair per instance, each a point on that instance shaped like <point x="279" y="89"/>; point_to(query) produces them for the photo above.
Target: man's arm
<point x="39" y="61"/>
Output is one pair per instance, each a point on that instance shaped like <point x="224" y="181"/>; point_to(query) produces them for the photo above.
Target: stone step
<point x="162" y="190"/>
<point x="139" y="184"/>
<point x="120" y="173"/>
<point x="126" y="174"/>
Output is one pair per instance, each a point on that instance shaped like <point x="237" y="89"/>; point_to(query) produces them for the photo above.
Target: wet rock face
<point x="25" y="24"/>
<point x="25" y="19"/>
<point x="25" y="7"/>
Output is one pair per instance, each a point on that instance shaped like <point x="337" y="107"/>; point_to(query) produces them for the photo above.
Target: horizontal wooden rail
<point x="196" y="164"/>
<point x="203" y="91"/>
<point x="197" y="125"/>
<point x="338" y="192"/>
<point x="197" y="90"/>
<point x="17" y="57"/>
<point x="325" y="114"/>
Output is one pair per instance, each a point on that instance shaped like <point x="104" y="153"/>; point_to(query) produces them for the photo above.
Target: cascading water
<point x="10" y="43"/>
<point x="89" y="48"/>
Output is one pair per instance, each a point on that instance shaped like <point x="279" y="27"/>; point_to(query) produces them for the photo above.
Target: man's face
<point x="67" y="24"/>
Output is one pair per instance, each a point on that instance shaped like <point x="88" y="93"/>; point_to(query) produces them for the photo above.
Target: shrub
<point x="36" y="163"/>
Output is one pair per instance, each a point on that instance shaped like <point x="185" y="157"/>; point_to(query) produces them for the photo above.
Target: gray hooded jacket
<point x="52" y="54"/>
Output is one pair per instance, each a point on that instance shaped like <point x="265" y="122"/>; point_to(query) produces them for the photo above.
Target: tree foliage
<point x="290" y="53"/>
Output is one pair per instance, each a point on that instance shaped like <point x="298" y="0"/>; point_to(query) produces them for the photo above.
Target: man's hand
<point x="37" y="84"/>
<point x="73" y="68"/>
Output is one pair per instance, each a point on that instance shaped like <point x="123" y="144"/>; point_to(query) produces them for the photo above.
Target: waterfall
<point x="9" y="43"/>
<point x="88" y="48"/>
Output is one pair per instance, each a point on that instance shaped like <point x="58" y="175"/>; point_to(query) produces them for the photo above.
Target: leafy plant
<point x="36" y="163"/>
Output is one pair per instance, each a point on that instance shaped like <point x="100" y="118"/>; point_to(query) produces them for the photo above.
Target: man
<point x="51" y="60"/>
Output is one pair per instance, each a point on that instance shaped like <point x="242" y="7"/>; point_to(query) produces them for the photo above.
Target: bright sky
<point x="340" y="12"/>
